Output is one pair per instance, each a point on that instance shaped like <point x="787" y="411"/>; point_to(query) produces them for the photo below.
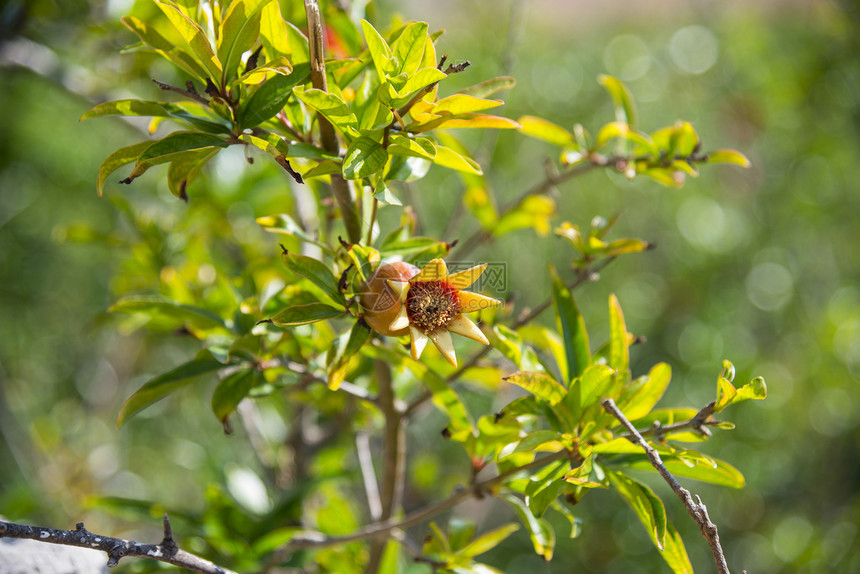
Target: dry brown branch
<point x="695" y="508"/>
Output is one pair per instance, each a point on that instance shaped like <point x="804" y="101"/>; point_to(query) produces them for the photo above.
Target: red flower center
<point x="431" y="305"/>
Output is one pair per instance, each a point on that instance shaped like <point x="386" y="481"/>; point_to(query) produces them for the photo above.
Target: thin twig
<point x="187" y="93"/>
<point x="317" y="541"/>
<point x="695" y="508"/>
<point x="550" y="181"/>
<point x="115" y="548"/>
<point x="698" y="423"/>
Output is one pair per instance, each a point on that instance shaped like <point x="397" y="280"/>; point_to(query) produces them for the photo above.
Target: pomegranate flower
<point x="432" y="306"/>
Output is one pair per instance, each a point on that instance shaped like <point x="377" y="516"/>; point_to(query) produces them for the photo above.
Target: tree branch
<point x="115" y="548"/>
<point x="394" y="464"/>
<point x="339" y="187"/>
<point x="695" y="508"/>
<point x="699" y="423"/>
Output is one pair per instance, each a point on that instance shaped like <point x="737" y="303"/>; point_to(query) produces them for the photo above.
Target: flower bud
<point x="379" y="301"/>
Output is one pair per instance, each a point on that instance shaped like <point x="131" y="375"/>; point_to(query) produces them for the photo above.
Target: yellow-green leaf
<point x="542" y="386"/>
<point x="728" y="156"/>
<point x="238" y="32"/>
<point x="646" y="505"/>
<point x="364" y="157"/>
<point x="625" y="108"/>
<point x="194" y="37"/>
<point x="547" y="131"/>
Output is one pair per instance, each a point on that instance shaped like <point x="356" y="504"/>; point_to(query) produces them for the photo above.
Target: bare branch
<point x="695" y="508"/>
<point x="189" y="93"/>
<point x="115" y="548"/>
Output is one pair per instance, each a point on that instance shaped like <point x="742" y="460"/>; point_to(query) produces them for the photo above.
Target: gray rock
<point x="32" y="557"/>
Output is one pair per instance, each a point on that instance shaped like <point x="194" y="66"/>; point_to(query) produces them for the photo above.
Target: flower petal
<point x="436" y="270"/>
<point x="463" y="279"/>
<point x="464" y="326"/>
<point x="401" y="288"/>
<point x="419" y="341"/>
<point x="442" y="339"/>
<point x="471" y="302"/>
<point x="401" y="321"/>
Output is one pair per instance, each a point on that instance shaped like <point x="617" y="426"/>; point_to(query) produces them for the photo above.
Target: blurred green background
<point x="758" y="266"/>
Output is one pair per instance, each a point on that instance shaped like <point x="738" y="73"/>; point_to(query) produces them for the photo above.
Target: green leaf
<point x="717" y="472"/>
<point x="447" y="157"/>
<point x="571" y="326"/>
<point x="728" y="156"/>
<point x="540" y="531"/>
<point x="238" y="32"/>
<point x="619" y="352"/>
<point x="414" y="147"/>
<point x="379" y="50"/>
<point x="534" y="439"/>
<point x="281" y="38"/>
<point x="117" y="159"/>
<point x="488" y="541"/>
<point x="176" y="146"/>
<point x="596" y="382"/>
<point x="403" y="247"/>
<point x="409" y="48"/>
<point x="316" y="272"/>
<point x="159" y="387"/>
<point x="325" y="167"/>
<point x="461" y="103"/>
<point x="542" y="386"/>
<point x="304" y="314"/>
<point x="728" y="395"/>
<point x="487" y="88"/>
<point x="339" y="358"/>
<point x="182" y="171"/>
<point x="155" y="306"/>
<point x="547" y="131"/>
<point x="565" y="509"/>
<point x="545" y="495"/>
<point x="397" y="91"/>
<point x="331" y="106"/>
<point x="644" y="393"/>
<point x="625" y="108"/>
<point x="192" y="113"/>
<point x="646" y="505"/>
<point x="624" y="131"/>
<point x="230" y="391"/>
<point x="155" y="41"/>
<point x="674" y="552"/>
<point x="271" y="97"/>
<point x="194" y="37"/>
<point x="364" y="157"/>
